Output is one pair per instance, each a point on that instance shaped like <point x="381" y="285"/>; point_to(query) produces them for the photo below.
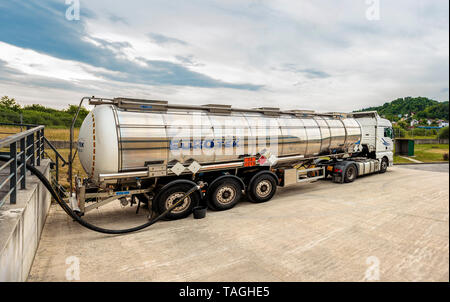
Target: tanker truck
<point x="150" y="152"/>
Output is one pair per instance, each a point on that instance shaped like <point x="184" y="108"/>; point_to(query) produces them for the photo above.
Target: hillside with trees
<point x="419" y="107"/>
<point x="12" y="112"/>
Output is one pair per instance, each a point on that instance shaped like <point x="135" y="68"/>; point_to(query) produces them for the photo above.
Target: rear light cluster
<point x="249" y="161"/>
<point x="337" y="170"/>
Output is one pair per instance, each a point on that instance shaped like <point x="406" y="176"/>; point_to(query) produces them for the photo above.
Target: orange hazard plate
<point x="330" y="168"/>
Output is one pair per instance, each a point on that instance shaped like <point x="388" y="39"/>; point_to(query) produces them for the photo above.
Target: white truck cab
<point x="377" y="135"/>
<point x="385" y="140"/>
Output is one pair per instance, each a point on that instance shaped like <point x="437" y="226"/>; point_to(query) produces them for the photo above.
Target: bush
<point x="443" y="133"/>
<point x="399" y="132"/>
<point x="11" y="112"/>
<point x="445" y="156"/>
<point x="9" y="116"/>
<point x="419" y="132"/>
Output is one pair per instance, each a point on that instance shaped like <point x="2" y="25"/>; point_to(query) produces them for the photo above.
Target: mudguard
<point x="339" y="177"/>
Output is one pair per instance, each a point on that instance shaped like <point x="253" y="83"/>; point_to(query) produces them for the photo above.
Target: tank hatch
<point x="140" y="104"/>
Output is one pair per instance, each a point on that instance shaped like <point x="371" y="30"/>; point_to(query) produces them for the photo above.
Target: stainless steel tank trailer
<point x="153" y="152"/>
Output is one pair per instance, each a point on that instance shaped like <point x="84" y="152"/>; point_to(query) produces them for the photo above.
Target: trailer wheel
<point x="169" y="196"/>
<point x="262" y="188"/>
<point x="224" y="194"/>
<point x="384" y="165"/>
<point x="350" y="173"/>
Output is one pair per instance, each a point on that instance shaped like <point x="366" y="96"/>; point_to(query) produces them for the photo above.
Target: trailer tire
<point x="224" y="194"/>
<point x="384" y="164"/>
<point x="350" y="173"/>
<point x="262" y="188"/>
<point x="168" y="196"/>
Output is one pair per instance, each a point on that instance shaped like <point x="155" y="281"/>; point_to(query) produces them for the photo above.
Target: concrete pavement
<point x="428" y="167"/>
<point x="412" y="159"/>
<point x="387" y="227"/>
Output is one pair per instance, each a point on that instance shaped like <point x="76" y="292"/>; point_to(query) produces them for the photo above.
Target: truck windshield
<point x="388" y="132"/>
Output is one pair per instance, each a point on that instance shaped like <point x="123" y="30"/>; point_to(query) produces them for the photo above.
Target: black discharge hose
<point x="88" y="225"/>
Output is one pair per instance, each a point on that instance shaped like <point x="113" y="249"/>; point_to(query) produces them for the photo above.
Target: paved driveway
<point x="391" y="227"/>
<point x="428" y="167"/>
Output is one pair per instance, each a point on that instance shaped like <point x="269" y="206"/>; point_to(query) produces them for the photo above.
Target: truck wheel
<point x="171" y="195"/>
<point x="350" y="173"/>
<point x="262" y="188"/>
<point x="384" y="165"/>
<point x="224" y="194"/>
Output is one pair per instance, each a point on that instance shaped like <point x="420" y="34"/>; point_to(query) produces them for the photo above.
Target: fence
<point x="417" y="132"/>
<point x="31" y="145"/>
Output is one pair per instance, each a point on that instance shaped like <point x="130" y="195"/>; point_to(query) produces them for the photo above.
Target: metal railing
<point x="26" y="147"/>
<point x="58" y="158"/>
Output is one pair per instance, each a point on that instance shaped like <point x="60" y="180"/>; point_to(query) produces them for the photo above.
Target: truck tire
<point x="350" y="173"/>
<point x="384" y="164"/>
<point x="262" y="188"/>
<point x="224" y="194"/>
<point x="170" y="195"/>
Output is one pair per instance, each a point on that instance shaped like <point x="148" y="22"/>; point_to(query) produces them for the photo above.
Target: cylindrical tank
<point x="115" y="140"/>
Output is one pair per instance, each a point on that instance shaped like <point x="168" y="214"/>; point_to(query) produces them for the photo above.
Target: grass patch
<point x="64" y="171"/>
<point x="52" y="134"/>
<point x="401" y="160"/>
<point x="421" y="137"/>
<point x="425" y="153"/>
<point x="430" y="152"/>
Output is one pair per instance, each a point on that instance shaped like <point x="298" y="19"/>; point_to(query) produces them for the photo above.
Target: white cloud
<point x="33" y="63"/>
<point x="363" y="63"/>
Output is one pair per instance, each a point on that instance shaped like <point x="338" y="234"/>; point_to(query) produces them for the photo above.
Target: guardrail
<point x="58" y="157"/>
<point x="30" y="144"/>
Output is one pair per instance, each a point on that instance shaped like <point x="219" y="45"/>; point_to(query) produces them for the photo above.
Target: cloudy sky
<point x="321" y="55"/>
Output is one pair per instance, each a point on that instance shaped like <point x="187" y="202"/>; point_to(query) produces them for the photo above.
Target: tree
<point x="12" y="112"/>
<point x="8" y="103"/>
<point x="73" y="109"/>
<point x="423" y="108"/>
<point x="403" y="125"/>
<point x="399" y="132"/>
<point x="443" y="133"/>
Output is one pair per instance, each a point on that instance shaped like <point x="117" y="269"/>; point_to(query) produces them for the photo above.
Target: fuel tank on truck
<point x="113" y="139"/>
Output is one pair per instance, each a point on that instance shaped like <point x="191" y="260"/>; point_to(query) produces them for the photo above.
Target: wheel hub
<point x="263" y="188"/>
<point x="350" y="173"/>
<point x="226" y="194"/>
<point x="182" y="206"/>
